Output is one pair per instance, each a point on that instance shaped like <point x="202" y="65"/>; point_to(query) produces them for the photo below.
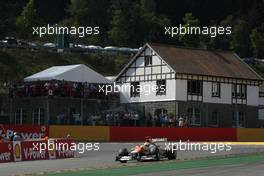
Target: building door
<point x="238" y="119"/>
<point x="194" y="116"/>
<point x="159" y="112"/>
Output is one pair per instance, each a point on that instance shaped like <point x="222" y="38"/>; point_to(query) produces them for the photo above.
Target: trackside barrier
<point x="127" y="134"/>
<point x="35" y="150"/>
<point x="26" y="131"/>
<point x="80" y="133"/>
<point x="250" y="134"/>
<point x="124" y="134"/>
<point x="6" y="152"/>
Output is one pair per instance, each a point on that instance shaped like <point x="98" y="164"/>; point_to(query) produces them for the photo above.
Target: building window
<point x="214" y="118"/>
<point x="215" y="89"/>
<point x="148" y="60"/>
<point x="161" y="87"/>
<point x="38" y="116"/>
<point x="194" y="116"/>
<point x="195" y="87"/>
<point x="238" y="119"/>
<point x="261" y="94"/>
<point x="135" y="89"/>
<point x="239" y="91"/>
<point x="20" y="116"/>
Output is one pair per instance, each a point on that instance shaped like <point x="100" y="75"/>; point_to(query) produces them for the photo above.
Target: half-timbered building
<point x="209" y="87"/>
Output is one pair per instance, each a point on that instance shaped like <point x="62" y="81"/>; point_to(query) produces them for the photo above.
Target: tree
<point x="136" y="22"/>
<point x="28" y="19"/>
<point x="123" y="23"/>
<point x="52" y="11"/>
<point x="190" y="40"/>
<point x="222" y="41"/>
<point x="257" y="41"/>
<point x="240" y="41"/>
<point x="90" y="13"/>
<point x="8" y="17"/>
<point x="152" y="23"/>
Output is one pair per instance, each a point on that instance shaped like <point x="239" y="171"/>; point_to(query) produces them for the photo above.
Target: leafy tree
<point x="152" y="23"/>
<point x="134" y="23"/>
<point x="28" y="19"/>
<point x="123" y="21"/>
<point x="190" y="40"/>
<point x="240" y="42"/>
<point x="222" y="41"/>
<point x="52" y="11"/>
<point x="257" y="41"/>
<point x="90" y="13"/>
<point x="8" y="17"/>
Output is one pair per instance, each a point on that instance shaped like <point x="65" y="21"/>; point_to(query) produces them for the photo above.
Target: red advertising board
<point x="6" y="152"/>
<point x="26" y="131"/>
<point x="31" y="150"/>
<point x="36" y="150"/>
<point x="63" y="148"/>
<point x="127" y="134"/>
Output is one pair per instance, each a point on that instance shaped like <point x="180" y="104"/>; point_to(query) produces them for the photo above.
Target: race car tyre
<point x="123" y="152"/>
<point x="171" y="155"/>
<point x="139" y="157"/>
<point x="157" y="156"/>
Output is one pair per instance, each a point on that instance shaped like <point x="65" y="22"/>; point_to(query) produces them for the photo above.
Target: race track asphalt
<point x="104" y="158"/>
<point x="255" y="169"/>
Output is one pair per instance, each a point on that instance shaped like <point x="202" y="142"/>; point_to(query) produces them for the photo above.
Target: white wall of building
<point x="148" y="92"/>
<point x="181" y="90"/>
<point x="252" y="95"/>
<point x="225" y="93"/>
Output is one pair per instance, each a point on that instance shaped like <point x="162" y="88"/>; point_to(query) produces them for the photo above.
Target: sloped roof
<point x="74" y="73"/>
<point x="204" y="62"/>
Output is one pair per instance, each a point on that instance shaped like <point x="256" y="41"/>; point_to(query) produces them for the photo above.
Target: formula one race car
<point x="149" y="151"/>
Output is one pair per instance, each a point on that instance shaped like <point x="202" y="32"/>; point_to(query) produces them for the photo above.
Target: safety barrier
<point x="125" y="134"/>
<point x="26" y="131"/>
<point x="36" y="150"/>
<point x="250" y="134"/>
<point x="80" y="133"/>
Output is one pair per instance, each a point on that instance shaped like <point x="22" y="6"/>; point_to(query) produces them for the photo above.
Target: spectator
<point x="17" y="137"/>
<point x="181" y="121"/>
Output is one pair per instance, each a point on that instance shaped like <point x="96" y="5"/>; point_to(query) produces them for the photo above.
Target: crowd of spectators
<point x="165" y="120"/>
<point x="123" y="118"/>
<point x="101" y="118"/>
<point x="59" y="88"/>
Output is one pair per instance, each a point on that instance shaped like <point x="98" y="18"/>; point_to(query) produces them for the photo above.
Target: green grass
<point x="165" y="166"/>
